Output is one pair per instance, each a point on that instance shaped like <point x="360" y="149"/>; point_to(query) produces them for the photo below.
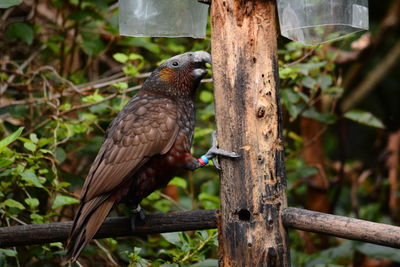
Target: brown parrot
<point x="145" y="146"/>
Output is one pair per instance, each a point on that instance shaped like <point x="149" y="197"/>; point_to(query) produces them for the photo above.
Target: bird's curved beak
<point x="199" y="59"/>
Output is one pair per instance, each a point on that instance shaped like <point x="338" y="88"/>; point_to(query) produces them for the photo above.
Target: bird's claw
<point x="137" y="214"/>
<point x="215" y="151"/>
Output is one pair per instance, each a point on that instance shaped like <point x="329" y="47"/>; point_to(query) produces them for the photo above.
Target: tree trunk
<point x="253" y="188"/>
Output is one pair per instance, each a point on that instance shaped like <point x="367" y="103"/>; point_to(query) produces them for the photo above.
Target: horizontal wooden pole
<point x="311" y="221"/>
<point x="112" y="227"/>
<point x="340" y="226"/>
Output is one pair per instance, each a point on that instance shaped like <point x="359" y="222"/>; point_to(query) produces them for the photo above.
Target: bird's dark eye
<point x="175" y="64"/>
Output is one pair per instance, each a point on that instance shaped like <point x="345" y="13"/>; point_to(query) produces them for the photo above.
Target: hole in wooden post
<point x="244" y="215"/>
<point x="260" y="159"/>
<point x="260" y="112"/>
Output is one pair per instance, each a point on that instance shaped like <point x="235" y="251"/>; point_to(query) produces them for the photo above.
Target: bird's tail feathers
<point x="87" y="222"/>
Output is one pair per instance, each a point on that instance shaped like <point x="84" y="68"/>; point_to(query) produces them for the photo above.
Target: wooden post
<point x="253" y="188"/>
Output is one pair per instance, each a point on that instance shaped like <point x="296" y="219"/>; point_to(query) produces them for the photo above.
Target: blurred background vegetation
<point x="65" y="73"/>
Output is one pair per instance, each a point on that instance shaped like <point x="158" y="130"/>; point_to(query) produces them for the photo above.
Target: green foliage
<point x="9" y="3"/>
<point x="364" y="117"/>
<point x="20" y="30"/>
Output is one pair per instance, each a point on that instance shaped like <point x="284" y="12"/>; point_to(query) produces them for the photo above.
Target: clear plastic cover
<point x="163" y="18"/>
<point x="318" y="21"/>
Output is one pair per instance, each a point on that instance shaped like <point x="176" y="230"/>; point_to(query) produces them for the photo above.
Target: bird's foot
<point x="214" y="151"/>
<point x="137" y="216"/>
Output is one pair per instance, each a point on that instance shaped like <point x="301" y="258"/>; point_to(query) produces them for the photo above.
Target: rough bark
<point x="341" y="226"/>
<point x="253" y="188"/>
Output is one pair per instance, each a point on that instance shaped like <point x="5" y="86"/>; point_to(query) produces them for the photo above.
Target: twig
<point x="79" y="89"/>
<point x="3" y="88"/>
<point x="14" y="248"/>
<point x="200" y="247"/>
<point x="377" y="74"/>
<point x="309" y="53"/>
<point x="52" y="69"/>
<point x="106" y="252"/>
<point x="43" y="123"/>
<point x="173" y="201"/>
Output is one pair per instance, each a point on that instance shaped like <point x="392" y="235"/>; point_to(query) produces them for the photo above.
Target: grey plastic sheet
<point x="317" y="21"/>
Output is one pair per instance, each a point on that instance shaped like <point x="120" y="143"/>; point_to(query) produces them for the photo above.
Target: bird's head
<point x="180" y="75"/>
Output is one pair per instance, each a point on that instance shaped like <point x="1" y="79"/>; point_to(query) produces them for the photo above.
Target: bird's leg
<point x="214" y="151"/>
<point x="137" y="213"/>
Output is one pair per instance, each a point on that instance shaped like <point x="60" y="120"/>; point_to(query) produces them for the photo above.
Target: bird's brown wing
<point x="147" y="126"/>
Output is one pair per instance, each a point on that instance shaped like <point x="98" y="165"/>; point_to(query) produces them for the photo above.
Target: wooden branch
<point x="247" y="109"/>
<point x="311" y="221"/>
<point x="112" y="227"/>
<point x="340" y="226"/>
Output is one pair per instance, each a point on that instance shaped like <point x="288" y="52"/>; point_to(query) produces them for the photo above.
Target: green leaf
<point x="144" y="42"/>
<point x="209" y="201"/>
<point x="324" y="81"/>
<point x="364" y="117"/>
<point x="328" y="118"/>
<point x="30" y="146"/>
<point x="121" y="85"/>
<point x="204" y="196"/>
<point x="11" y="138"/>
<point x="36" y="218"/>
<point x="92" y="47"/>
<point x="56" y="244"/>
<point x="180" y="182"/>
<point x="81" y="15"/>
<point x="60" y="155"/>
<point x="11" y="203"/>
<point x="334" y="92"/>
<point x="206" y="96"/>
<point x="305" y="68"/>
<point x="122" y="58"/>
<point x="134" y="56"/>
<point x="63" y="200"/>
<point x="375" y="251"/>
<point x="295" y="109"/>
<point x="172" y="238"/>
<point x="20" y="30"/>
<point x="96" y="97"/>
<point x="154" y="196"/>
<point x="309" y="82"/>
<point x="206" y="263"/>
<point x="6" y="162"/>
<point x="9" y="3"/>
<point x="32" y="202"/>
<point x="288" y="73"/>
<point x="130" y="70"/>
<point x="33" y="138"/>
<point x="30" y="177"/>
<point x="288" y="95"/>
<point x="8" y="252"/>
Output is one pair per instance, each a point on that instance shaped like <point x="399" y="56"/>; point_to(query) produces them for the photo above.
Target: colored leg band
<point x="203" y="160"/>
